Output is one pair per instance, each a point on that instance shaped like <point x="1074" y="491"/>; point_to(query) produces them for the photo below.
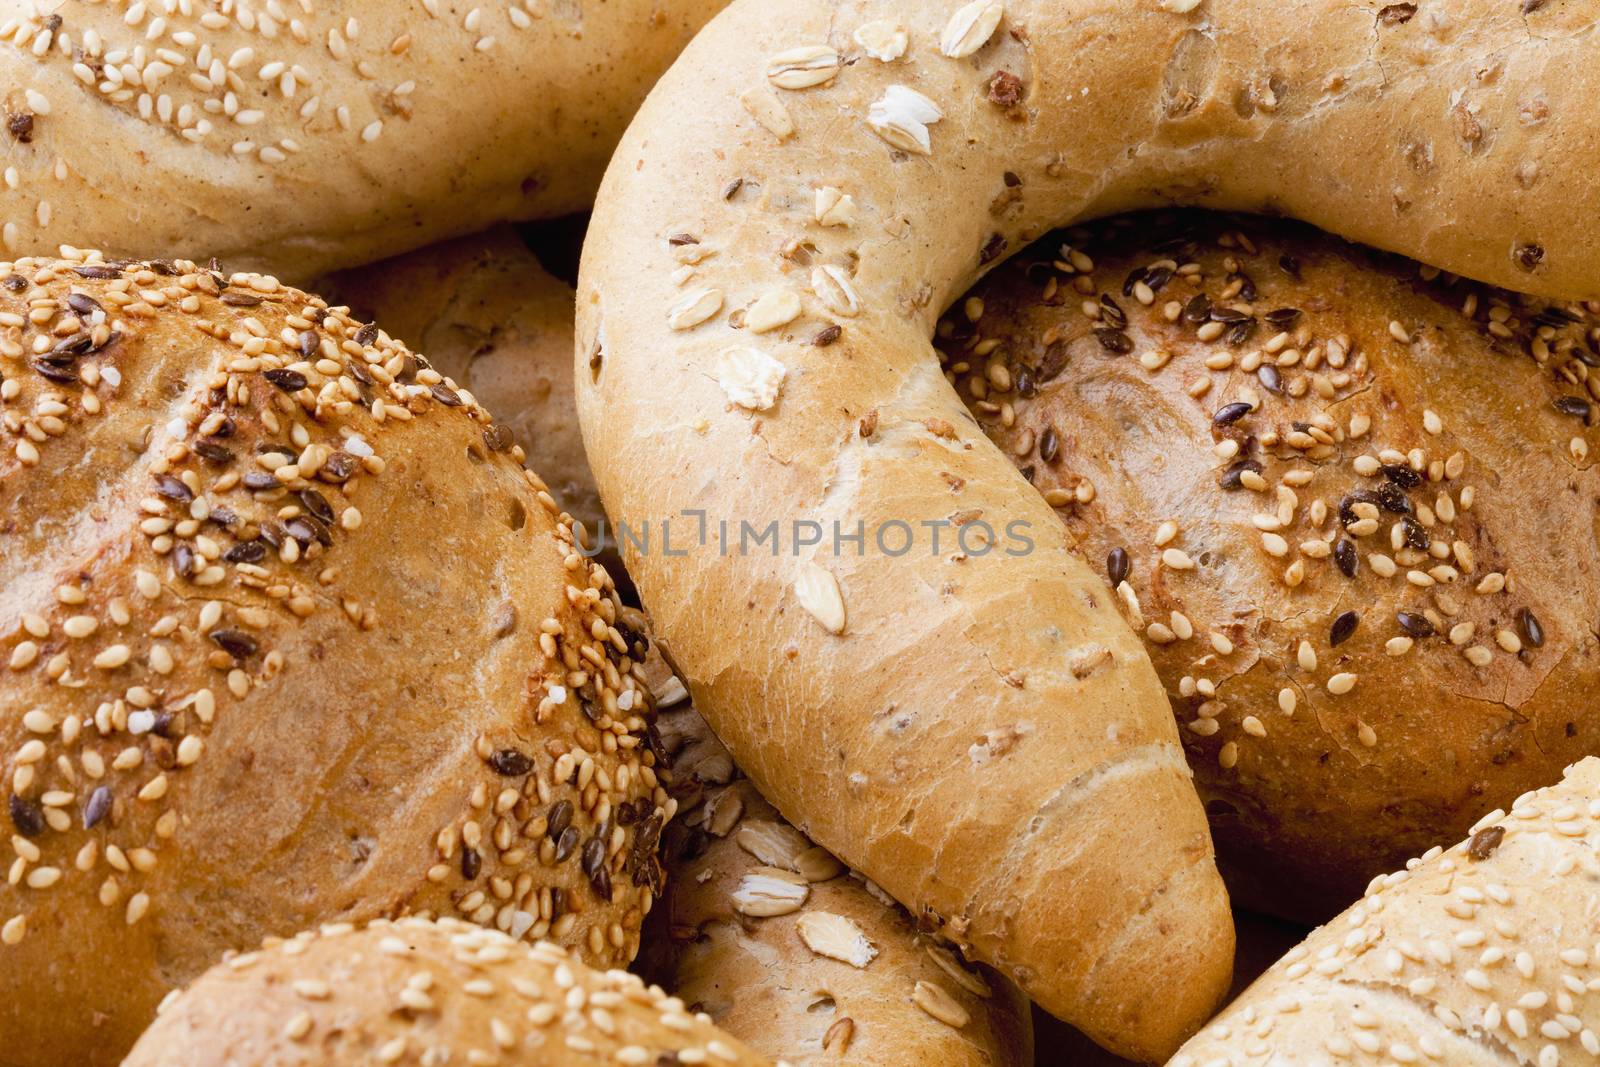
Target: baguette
<point x="302" y="137"/>
<point x="1384" y="483"/>
<point x="287" y="636"/>
<point x="1480" y="954"/>
<point x="414" y="991"/>
<point x="827" y="970"/>
<point x="794" y="205"/>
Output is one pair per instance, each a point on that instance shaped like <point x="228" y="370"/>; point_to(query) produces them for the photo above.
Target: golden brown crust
<point x="289" y="636"/>
<point x="1262" y="942"/>
<point x="490" y="317"/>
<point x="1480" y="954"/>
<point x="721" y="257"/>
<point x="1387" y="502"/>
<point x="821" y="967"/>
<point x="304" y="137"/>
<point x="414" y="991"/>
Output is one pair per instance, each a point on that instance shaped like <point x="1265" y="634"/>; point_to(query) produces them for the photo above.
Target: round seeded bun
<point x="782" y="946"/>
<point x="489" y="316"/>
<point x="415" y="991"/>
<point x="1479" y="955"/>
<point x="289" y="636"/>
<point x="1354" y="508"/>
<point x="299" y="137"/>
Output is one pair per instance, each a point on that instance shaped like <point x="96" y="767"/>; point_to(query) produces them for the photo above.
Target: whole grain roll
<point x="1350" y="507"/>
<point x="783" y="947"/>
<point x="414" y="991"/>
<point x="304" y="137"/>
<point x="289" y="637"/>
<point x="489" y="316"/>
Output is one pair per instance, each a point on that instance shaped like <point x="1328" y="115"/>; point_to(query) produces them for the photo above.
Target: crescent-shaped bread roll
<point x="781" y="946"/>
<point x="288" y="636"/>
<point x="972" y="725"/>
<point x="302" y="136"/>
<point x="1480" y="955"/>
<point x="1385" y="484"/>
<point x="418" y="992"/>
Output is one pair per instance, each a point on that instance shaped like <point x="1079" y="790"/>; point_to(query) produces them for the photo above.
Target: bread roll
<point x="300" y="137"/>
<point x="772" y="937"/>
<point x="490" y="317"/>
<point x="1262" y="942"/>
<point x="1482" y="954"/>
<point x="1354" y="509"/>
<point x="415" y="991"/>
<point x="289" y="637"/>
<point x="795" y="204"/>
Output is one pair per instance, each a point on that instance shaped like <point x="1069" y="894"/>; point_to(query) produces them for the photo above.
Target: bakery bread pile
<point x="328" y="713"/>
<point x="1340" y="501"/>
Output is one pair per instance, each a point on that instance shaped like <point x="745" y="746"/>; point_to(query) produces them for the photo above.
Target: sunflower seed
<point x="804" y="67"/>
<point x="970" y="28"/>
<point x="750" y="377"/>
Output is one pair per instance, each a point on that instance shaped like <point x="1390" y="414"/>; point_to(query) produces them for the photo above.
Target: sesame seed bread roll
<point x="781" y="946"/>
<point x="1483" y="953"/>
<point x="415" y="991"/>
<point x="302" y="137"/>
<point x="490" y="317"/>
<point x="288" y="636"/>
<point x="794" y="205"/>
<point x="1349" y="509"/>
